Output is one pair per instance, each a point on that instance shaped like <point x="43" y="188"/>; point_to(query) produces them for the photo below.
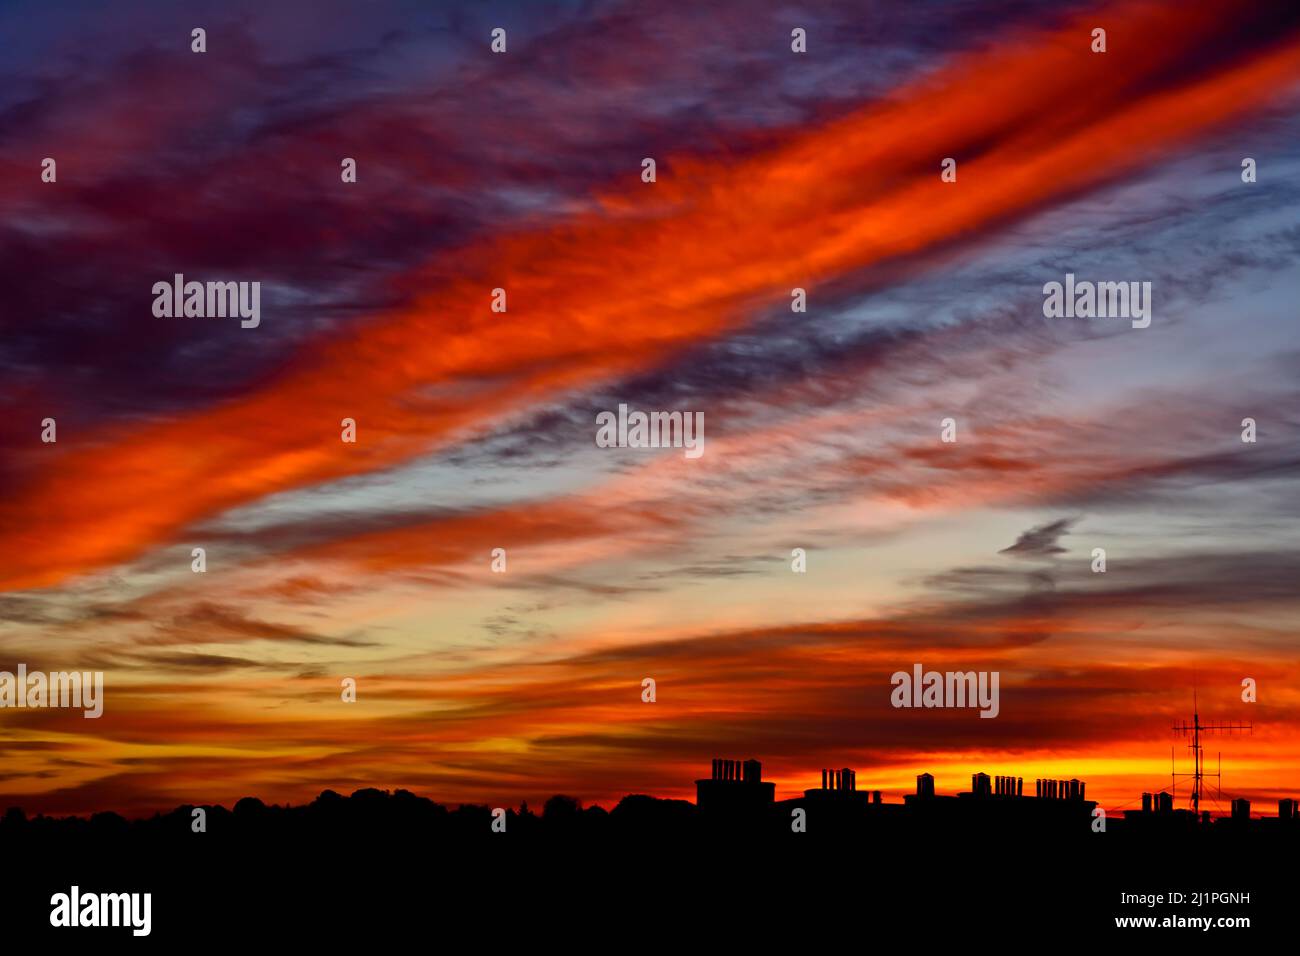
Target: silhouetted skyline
<point x="735" y="793"/>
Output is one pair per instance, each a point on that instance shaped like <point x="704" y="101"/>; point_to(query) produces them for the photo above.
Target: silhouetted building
<point x="1060" y="789"/>
<point x="736" y="792"/>
<point x="735" y="787"/>
<point x="844" y="779"/>
<point x="840" y="784"/>
<point x="1058" y="806"/>
<point x="835" y="806"/>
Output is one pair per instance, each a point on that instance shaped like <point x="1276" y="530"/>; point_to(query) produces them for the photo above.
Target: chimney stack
<point x="925" y="785"/>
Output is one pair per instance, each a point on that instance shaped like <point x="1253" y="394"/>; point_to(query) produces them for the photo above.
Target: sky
<point x="522" y="170"/>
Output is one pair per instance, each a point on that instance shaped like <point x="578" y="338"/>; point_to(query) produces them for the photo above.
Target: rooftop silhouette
<point x="734" y="797"/>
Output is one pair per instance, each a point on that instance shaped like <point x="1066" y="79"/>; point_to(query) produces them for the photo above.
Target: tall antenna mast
<point x="1194" y="731"/>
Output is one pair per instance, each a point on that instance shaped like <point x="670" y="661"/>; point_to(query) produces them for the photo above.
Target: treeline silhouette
<point x="372" y="818"/>
<point x="371" y="812"/>
<point x="367" y="812"/>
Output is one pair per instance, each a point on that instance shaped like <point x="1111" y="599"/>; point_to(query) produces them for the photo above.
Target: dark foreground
<point x="382" y="869"/>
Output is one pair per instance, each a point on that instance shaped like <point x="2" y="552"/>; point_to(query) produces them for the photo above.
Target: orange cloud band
<point x="656" y="268"/>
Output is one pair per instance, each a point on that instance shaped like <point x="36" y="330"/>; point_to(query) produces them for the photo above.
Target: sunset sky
<point x="476" y="429"/>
